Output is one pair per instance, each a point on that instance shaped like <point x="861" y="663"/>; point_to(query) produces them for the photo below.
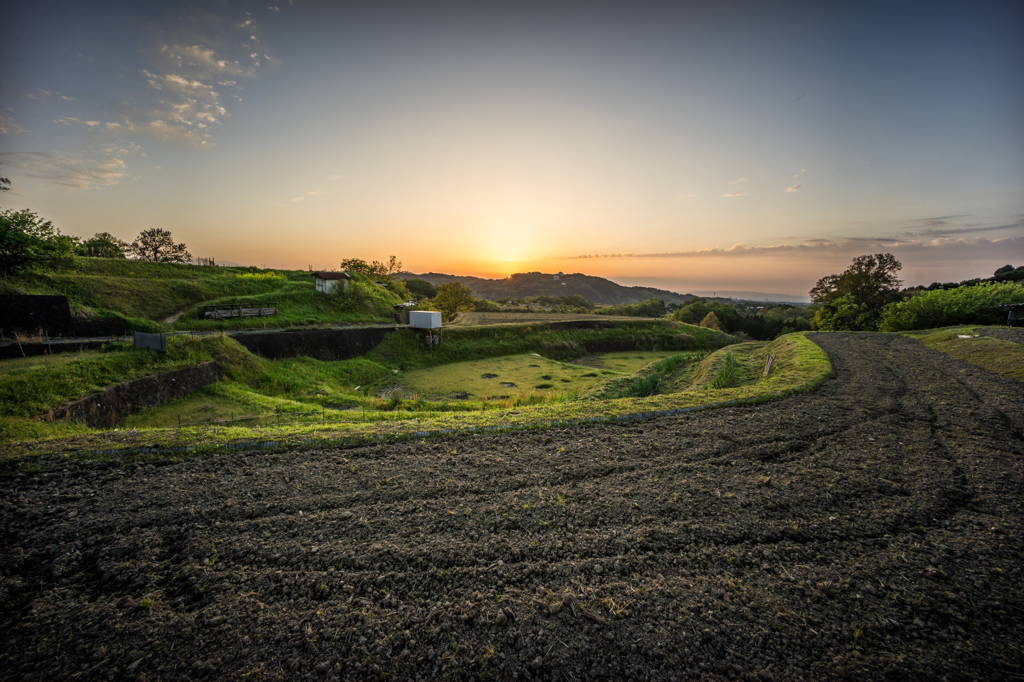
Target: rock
<point x="500" y="619"/>
<point x="323" y="667"/>
<point x="537" y="663"/>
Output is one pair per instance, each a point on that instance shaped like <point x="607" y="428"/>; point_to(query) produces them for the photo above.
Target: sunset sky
<point x="726" y="146"/>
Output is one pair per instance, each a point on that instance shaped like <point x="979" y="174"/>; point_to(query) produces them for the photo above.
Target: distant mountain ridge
<point x="522" y="284"/>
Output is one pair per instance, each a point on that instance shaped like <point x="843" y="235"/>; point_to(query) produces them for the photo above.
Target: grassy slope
<point x="405" y="350"/>
<point x="800" y="365"/>
<point x="149" y="293"/>
<point x="995" y="355"/>
<point x="65" y="378"/>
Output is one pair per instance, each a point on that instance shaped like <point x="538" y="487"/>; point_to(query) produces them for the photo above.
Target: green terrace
<point x="403" y="389"/>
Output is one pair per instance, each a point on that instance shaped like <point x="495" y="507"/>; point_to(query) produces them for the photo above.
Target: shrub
<point x="262" y="276"/>
<point x="977" y="304"/>
<point x="845" y="314"/>
<point x="361" y="296"/>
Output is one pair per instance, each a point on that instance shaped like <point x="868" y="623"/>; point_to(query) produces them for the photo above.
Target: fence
<point x="226" y="310"/>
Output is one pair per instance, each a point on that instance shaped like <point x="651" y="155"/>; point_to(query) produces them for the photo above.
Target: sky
<point x="692" y="146"/>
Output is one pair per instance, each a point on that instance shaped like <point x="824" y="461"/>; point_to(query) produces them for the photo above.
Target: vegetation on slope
<point x="973" y="304"/>
<point x="146" y="294"/>
<point x="800" y="365"/>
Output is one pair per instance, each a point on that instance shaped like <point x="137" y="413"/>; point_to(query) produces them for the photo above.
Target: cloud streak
<point x="967" y="230"/>
<point x="61" y="170"/>
<point x="794" y="188"/>
<point x="735" y="194"/>
<point x="812" y="246"/>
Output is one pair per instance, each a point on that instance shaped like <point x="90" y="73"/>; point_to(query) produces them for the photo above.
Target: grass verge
<point x="995" y="355"/>
<point x="800" y="365"/>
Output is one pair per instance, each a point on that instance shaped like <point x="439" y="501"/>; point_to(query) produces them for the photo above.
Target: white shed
<point x="327" y="282"/>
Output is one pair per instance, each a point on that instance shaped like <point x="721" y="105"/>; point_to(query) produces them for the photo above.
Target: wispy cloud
<point x="794" y="188"/>
<point x="61" y="170"/>
<point x="968" y="230"/>
<point x="735" y="194"/>
<point x="811" y="246"/>
<point x="947" y="226"/>
<point x="192" y="76"/>
<point x="9" y="127"/>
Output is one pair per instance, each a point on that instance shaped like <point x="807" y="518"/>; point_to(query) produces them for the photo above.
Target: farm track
<point x="870" y="529"/>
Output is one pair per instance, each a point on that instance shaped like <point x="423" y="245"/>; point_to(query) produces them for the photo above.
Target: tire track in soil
<point x="870" y="528"/>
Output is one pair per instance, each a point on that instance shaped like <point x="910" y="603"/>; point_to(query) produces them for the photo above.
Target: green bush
<point x="363" y="296"/>
<point x="977" y="304"/>
<point x="652" y="307"/>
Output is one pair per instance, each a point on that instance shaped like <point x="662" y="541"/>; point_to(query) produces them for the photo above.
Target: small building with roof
<point x="328" y="282"/>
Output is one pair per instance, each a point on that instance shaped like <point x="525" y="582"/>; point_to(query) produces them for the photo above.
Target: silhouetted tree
<point x="103" y="245"/>
<point x="158" y="245"/>
<point x="374" y="270"/>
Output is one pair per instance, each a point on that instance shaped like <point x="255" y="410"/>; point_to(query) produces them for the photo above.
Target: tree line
<point x="27" y="241"/>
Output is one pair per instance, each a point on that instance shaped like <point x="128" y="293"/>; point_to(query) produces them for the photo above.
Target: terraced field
<point x="869" y="529"/>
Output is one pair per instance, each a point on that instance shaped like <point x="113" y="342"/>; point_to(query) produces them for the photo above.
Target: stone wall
<point x="106" y="408"/>
<point x="320" y="344"/>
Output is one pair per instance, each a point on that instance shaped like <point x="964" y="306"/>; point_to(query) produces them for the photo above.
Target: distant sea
<point x="755" y="296"/>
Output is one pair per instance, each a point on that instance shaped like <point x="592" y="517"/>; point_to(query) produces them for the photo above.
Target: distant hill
<point x="520" y="285"/>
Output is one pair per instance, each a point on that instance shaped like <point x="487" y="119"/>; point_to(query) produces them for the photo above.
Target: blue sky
<point x="693" y="146"/>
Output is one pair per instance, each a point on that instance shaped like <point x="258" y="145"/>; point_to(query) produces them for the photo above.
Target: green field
<point x="625" y="363"/>
<point x="502" y="377"/>
<point x="260" y="391"/>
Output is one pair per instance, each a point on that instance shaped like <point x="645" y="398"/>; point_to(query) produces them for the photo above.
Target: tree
<point x="710" y="321"/>
<point x="103" y="245"/>
<point x="5" y="184"/>
<point x="158" y="246"/>
<point x="374" y="270"/>
<point x="421" y="288"/>
<point x="27" y="240"/>
<point x="854" y="300"/>
<point x="452" y="298"/>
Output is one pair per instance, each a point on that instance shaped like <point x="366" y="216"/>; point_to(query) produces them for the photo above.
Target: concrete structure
<point x="327" y="282"/>
<point x="425" y="319"/>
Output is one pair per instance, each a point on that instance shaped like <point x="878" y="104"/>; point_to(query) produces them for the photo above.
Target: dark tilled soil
<point x="1015" y="334"/>
<point x="869" y="529"/>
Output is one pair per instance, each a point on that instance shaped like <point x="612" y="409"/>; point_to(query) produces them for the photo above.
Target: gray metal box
<point x="425" y="319"/>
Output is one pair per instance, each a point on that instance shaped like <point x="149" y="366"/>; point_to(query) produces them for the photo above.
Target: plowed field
<point x="869" y="529"/>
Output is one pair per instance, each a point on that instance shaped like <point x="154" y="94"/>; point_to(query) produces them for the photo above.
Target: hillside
<point x="165" y="296"/>
<point x="598" y="289"/>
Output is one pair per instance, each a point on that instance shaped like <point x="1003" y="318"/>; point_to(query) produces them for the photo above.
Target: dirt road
<point x="869" y="529"/>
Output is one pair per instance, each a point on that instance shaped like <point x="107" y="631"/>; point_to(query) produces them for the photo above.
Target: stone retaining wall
<point x="106" y="408"/>
<point x="320" y="344"/>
